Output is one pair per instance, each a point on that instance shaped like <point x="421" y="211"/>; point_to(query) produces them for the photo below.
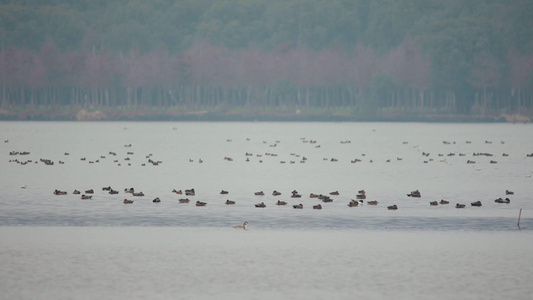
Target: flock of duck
<point x="360" y="198"/>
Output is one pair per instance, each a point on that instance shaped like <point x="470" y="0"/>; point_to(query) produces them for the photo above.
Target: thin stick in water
<point x="519" y="215"/>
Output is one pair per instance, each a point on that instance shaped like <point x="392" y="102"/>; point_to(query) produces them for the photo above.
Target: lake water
<point x="61" y="247"/>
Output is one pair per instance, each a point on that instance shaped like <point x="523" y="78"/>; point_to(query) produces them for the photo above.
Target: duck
<point x="259" y="193"/>
<point x="130" y="190"/>
<point x="243" y="226"/>
<point x="223" y="192"/>
<point x="262" y="204"/>
<point x="500" y="200"/>
<point x="91" y="191"/>
<point x="112" y="192"/>
<point x="76" y="192"/>
<point x="313" y="195"/>
<point x="476" y="203"/>
<point x="190" y="192"/>
<point x="58" y="192"/>
<point x="281" y="202"/>
<point x="86" y="197"/>
<point x="444" y="201"/>
<point x="459" y="205"/>
<point x="508" y="192"/>
<point x="177" y="192"/>
<point x="392" y="207"/>
<point x="415" y="194"/>
<point x="318" y="206"/>
<point x="186" y="200"/>
<point x="126" y="201"/>
<point x="298" y="206"/>
<point x="199" y="203"/>
<point x="228" y="202"/>
<point x="156" y="200"/>
<point x="335" y="193"/>
<point x="433" y="203"/>
<point x="106" y="188"/>
<point x="374" y="202"/>
<point x="139" y="194"/>
<point x="276" y="193"/>
<point x="353" y="203"/>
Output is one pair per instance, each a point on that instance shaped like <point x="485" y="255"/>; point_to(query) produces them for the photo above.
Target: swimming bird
<point x="476" y="203"/>
<point x="500" y="200"/>
<point x="76" y="192"/>
<point x="230" y="202"/>
<point x="223" y="192"/>
<point x="392" y="207"/>
<point x="318" y="206"/>
<point x="508" y="192"/>
<point x="433" y="203"/>
<point x="86" y="197"/>
<point x="156" y="200"/>
<point x="126" y="201"/>
<point x="353" y="203"/>
<point x="259" y="193"/>
<point x="177" y="192"/>
<point x="199" y="203"/>
<point x="444" y="201"/>
<point x="459" y="205"/>
<point x="281" y="202"/>
<point x="262" y="204"/>
<point x="374" y="202"/>
<point x="276" y="193"/>
<point x="299" y="206"/>
<point x="91" y="191"/>
<point x="243" y="226"/>
<point x="186" y="200"/>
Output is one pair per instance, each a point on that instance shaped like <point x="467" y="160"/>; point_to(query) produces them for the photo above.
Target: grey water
<point x="62" y="247"/>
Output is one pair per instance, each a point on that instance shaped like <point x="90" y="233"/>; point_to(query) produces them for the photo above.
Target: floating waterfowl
<point x="199" y="203"/>
<point x="318" y="206"/>
<point x="86" y="197"/>
<point x="374" y="202"/>
<point x="508" y="192"/>
<point x="259" y="193"/>
<point x="76" y="192"/>
<point x="262" y="204"/>
<point x="279" y="202"/>
<point x="335" y="193"/>
<point x="433" y="203"/>
<point x="459" y="205"/>
<point x="476" y="203"/>
<point x="444" y="202"/>
<point x="229" y="202"/>
<point x="139" y="194"/>
<point x="415" y="194"/>
<point x="243" y="226"/>
<point x="126" y="201"/>
<point x="190" y="192"/>
<point x="276" y="193"/>
<point x="500" y="200"/>
<point x="392" y="207"/>
<point x="223" y="192"/>
<point x="156" y="200"/>
<point x="299" y="206"/>
<point x="353" y="203"/>
<point x="91" y="191"/>
<point x="177" y="192"/>
<point x="186" y="200"/>
<point x="112" y="192"/>
<point x="58" y="192"/>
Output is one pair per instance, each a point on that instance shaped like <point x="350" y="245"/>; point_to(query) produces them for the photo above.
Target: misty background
<point x="354" y="59"/>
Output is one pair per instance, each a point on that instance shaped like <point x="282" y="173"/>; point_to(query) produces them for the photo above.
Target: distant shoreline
<point x="247" y="116"/>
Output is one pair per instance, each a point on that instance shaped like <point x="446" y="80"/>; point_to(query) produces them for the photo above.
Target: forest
<point x="253" y="59"/>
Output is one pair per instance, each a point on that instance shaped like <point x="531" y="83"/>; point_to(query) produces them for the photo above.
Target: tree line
<point x="357" y="57"/>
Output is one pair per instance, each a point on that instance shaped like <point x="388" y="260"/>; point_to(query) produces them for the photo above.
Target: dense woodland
<point x="361" y="58"/>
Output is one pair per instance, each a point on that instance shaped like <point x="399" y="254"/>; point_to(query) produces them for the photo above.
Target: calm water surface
<point x="62" y="247"/>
